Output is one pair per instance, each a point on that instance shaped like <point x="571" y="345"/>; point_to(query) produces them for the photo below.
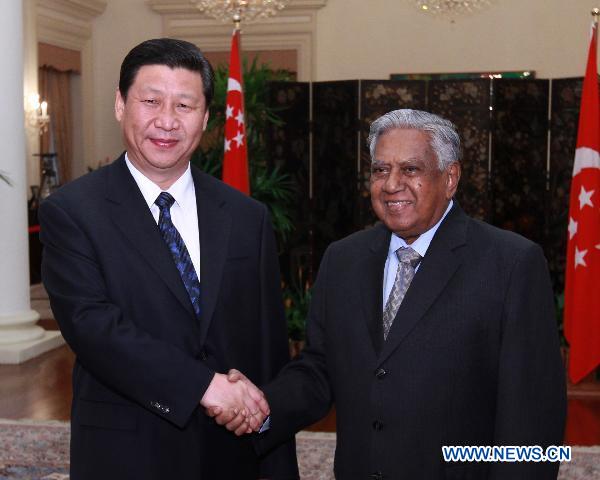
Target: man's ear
<point x="453" y="177"/>
<point x="119" y="106"/>
<point x="206" y="115"/>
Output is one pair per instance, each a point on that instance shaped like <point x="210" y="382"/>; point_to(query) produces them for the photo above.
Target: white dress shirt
<point x="420" y="245"/>
<point x="183" y="212"/>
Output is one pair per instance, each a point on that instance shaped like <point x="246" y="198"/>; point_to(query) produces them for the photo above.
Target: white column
<point x="30" y="87"/>
<point x="20" y="337"/>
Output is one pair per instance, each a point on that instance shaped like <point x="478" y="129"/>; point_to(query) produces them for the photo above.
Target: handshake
<point x="235" y="402"/>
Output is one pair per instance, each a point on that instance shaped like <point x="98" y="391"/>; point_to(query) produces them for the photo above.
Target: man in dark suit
<point x="429" y="329"/>
<point x="160" y="277"/>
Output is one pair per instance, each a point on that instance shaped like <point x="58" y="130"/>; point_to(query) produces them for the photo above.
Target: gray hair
<point x="444" y="139"/>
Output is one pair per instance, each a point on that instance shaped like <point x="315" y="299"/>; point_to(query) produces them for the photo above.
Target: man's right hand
<point x="233" y="420"/>
<point x="235" y="402"/>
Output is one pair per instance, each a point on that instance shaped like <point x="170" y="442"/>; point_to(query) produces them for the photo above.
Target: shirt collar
<point x="182" y="190"/>
<point x="421" y="244"/>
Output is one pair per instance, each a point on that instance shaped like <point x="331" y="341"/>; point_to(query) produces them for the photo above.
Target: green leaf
<point x="297" y="302"/>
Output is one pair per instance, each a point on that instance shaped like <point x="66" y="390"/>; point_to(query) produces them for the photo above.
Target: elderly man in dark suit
<point x="429" y="329"/>
<point x="160" y="277"/>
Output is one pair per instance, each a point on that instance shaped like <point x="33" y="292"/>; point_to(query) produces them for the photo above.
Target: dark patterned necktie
<point x="180" y="253"/>
<point x="409" y="259"/>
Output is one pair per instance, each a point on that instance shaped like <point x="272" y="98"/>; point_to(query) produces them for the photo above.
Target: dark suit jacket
<point x="144" y="360"/>
<point x="472" y="357"/>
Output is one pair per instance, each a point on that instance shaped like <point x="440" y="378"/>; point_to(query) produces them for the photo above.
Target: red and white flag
<point x="582" y="282"/>
<point x="235" y="158"/>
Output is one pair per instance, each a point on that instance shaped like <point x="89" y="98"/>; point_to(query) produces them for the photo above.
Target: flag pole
<point x="237" y="19"/>
<point x="595" y="14"/>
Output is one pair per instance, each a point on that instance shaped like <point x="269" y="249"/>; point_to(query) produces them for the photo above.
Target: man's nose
<point x="395" y="181"/>
<point x="167" y="118"/>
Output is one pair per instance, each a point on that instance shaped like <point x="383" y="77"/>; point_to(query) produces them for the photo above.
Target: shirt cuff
<point x="266" y="425"/>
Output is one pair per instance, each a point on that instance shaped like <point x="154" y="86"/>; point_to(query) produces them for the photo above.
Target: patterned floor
<point x="39" y="451"/>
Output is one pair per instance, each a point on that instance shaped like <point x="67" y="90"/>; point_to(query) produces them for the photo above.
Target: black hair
<point x="172" y="53"/>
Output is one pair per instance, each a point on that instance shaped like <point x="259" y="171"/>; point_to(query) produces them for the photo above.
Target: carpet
<point x="31" y="450"/>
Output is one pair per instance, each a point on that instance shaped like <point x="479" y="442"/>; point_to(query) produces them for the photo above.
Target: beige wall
<point x="124" y="24"/>
<point x="370" y="39"/>
<point x="373" y="38"/>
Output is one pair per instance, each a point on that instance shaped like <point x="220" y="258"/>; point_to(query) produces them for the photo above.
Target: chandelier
<point x="240" y="10"/>
<point x="451" y="7"/>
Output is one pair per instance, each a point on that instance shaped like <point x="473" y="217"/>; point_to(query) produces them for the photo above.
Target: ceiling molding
<point x="85" y="10"/>
<point x="62" y="33"/>
<point x="67" y="23"/>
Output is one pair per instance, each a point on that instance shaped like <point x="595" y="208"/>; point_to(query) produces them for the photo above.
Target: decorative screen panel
<point x="335" y="162"/>
<point x="519" y="156"/>
<point x="466" y="103"/>
<point x="566" y="98"/>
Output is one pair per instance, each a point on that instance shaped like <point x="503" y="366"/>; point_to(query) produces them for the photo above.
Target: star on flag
<point x="579" y="260"/>
<point x="240" y="118"/>
<point x="572" y="228"/>
<point x="585" y="198"/>
<point x="239" y="139"/>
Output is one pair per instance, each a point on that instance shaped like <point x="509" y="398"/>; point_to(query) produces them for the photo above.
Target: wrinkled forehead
<point x="400" y="145"/>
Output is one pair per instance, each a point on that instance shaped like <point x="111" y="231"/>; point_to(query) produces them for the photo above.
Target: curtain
<point x="55" y="88"/>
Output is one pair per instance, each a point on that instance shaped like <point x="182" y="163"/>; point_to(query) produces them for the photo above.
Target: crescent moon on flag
<point x="233" y="85"/>
<point x="585" y="157"/>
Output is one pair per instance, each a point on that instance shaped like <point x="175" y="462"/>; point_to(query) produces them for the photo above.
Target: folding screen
<point x="519" y="156"/>
<point x="466" y="104"/>
<point x="289" y="150"/>
<point x="335" y="160"/>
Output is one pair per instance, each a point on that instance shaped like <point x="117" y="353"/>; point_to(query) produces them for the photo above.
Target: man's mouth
<point x="397" y="205"/>
<point x="164" y="142"/>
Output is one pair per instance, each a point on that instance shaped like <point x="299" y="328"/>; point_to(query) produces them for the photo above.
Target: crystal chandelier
<point x="246" y="11"/>
<point x="451" y="7"/>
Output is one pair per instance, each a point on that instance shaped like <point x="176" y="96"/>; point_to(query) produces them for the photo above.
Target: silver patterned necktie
<point x="409" y="259"/>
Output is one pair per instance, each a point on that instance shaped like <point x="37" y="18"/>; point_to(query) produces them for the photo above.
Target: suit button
<point x="203" y="355"/>
<point x="376" y="476"/>
<point x="377" y="426"/>
<point x="380" y="373"/>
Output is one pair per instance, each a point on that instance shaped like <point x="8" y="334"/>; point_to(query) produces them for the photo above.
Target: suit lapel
<point x="442" y="259"/>
<point x="370" y="268"/>
<point x="214" y="223"/>
<point x="133" y="218"/>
